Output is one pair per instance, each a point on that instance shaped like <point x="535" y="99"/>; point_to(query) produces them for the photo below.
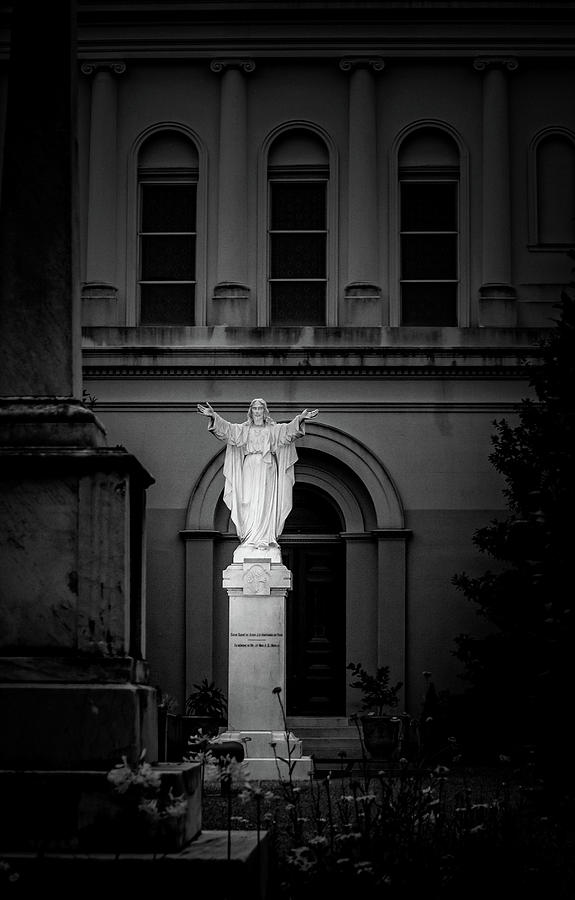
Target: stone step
<point x="330" y="748"/>
<point x="328" y="733"/>
<point x="346" y="737"/>
<point x="239" y="869"/>
<point x="330" y="742"/>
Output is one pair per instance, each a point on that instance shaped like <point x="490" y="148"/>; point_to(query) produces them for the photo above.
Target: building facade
<point x="362" y="207"/>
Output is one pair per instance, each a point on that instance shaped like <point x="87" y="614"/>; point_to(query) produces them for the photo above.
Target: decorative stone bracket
<point x="257" y="577"/>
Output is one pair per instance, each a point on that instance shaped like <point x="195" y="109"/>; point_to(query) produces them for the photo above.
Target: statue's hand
<point x="206" y="410"/>
<point x="309" y="414"/>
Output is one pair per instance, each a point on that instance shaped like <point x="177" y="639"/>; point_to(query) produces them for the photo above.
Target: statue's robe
<point x="259" y="476"/>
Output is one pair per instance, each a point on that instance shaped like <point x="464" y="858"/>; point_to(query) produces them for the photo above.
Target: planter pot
<point x="381" y="735"/>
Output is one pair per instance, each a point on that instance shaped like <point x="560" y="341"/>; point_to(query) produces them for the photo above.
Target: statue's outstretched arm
<point x="308" y="414"/>
<point x="206" y="410"/>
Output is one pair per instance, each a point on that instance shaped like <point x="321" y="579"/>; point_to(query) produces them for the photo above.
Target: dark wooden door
<point x="315" y="628"/>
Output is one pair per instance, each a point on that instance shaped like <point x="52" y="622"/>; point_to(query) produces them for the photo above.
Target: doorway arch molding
<point x="375" y="541"/>
<point x="310" y="472"/>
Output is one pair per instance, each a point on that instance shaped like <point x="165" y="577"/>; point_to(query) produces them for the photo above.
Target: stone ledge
<point x="54" y="811"/>
<point x="72" y="459"/>
<point x="146" y="341"/>
<point x="79" y="669"/>
<point x="202" y="864"/>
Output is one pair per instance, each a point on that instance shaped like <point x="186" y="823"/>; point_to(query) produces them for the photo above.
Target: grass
<point x="448" y="832"/>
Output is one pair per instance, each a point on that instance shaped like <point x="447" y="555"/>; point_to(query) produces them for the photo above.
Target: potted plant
<point x="381" y="730"/>
<point x="205" y="711"/>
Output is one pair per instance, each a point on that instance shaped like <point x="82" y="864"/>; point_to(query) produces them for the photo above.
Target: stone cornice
<point x="305" y="353"/>
<point x="93" y="372"/>
<point x="297" y="339"/>
<point x="458" y="49"/>
<point x="478" y="407"/>
<point x="404" y="364"/>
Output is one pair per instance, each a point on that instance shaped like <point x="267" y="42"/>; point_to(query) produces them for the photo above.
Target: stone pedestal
<point x="257" y="587"/>
<point x="73" y="684"/>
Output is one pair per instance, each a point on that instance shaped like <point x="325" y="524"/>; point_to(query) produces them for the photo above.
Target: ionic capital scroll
<point x="350" y="63"/>
<point x="115" y="67"/>
<point x="497" y="62"/>
<point x="220" y="65"/>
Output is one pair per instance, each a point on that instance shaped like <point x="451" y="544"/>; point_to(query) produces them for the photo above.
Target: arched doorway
<point x="312" y="548"/>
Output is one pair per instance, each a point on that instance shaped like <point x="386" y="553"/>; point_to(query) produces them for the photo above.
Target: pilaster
<point x="199" y="612"/>
<point x="362" y="293"/>
<point x="391" y="601"/>
<point x="497" y="294"/>
<point x="232" y="296"/>
<point x="99" y="291"/>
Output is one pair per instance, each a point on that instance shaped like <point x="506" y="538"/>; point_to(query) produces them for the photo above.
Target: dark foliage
<point x="376" y="689"/>
<point x="520" y="675"/>
<point x="206" y="700"/>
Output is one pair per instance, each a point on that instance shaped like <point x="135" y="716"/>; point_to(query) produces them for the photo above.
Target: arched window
<point x="555" y="183"/>
<point x="429" y="228"/>
<point x="167" y="187"/>
<point x="298" y="174"/>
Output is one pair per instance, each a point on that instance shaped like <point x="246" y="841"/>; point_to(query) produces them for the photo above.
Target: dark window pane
<point x="168" y="207"/>
<point x="297" y="303"/>
<point x="298" y="255"/>
<point x="297" y="205"/>
<point x="429" y="304"/>
<point x="428" y="206"/>
<point x="167" y="304"/>
<point x="556" y="191"/>
<point x="429" y="256"/>
<point x="168" y="258"/>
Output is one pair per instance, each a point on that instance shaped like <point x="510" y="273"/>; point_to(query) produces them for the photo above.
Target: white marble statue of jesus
<point x="258" y="471"/>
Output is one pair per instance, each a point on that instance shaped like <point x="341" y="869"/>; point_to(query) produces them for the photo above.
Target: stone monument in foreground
<point x="259" y="477"/>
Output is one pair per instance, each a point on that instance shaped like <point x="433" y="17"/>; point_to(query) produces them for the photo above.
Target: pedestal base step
<point x="268" y="754"/>
<point x="275" y="770"/>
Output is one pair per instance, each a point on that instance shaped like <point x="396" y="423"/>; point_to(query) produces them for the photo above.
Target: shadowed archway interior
<point x="312" y="548"/>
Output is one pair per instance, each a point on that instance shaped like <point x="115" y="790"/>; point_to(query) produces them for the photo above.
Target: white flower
<point x="318" y="841"/>
<point x="149" y="807"/>
<point x="176" y="806"/>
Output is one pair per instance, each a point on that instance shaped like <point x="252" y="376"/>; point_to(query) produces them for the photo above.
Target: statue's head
<point x="258" y="412"/>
